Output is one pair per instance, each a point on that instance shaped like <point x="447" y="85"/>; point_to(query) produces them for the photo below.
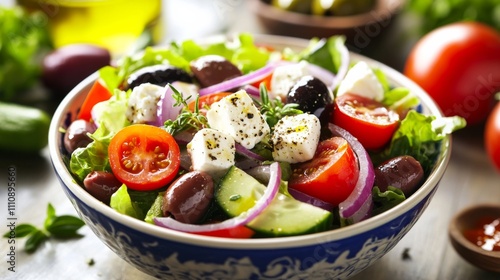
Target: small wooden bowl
<point x="467" y="219"/>
<point x="360" y="27"/>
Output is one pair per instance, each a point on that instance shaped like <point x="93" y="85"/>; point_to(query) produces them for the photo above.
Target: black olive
<point x="158" y="75"/>
<point x="310" y="93"/>
<point x="213" y="69"/>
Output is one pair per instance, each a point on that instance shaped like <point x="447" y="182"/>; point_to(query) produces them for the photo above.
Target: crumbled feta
<point x="143" y="103"/>
<point x="284" y="78"/>
<point x="211" y="151"/>
<point x="295" y="138"/>
<point x="361" y="80"/>
<point x="237" y="116"/>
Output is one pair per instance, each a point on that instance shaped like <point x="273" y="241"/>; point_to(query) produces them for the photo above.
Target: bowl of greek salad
<point x="250" y="157"/>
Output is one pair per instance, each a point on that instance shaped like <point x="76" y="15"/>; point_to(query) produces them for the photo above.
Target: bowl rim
<point x="457" y="235"/>
<point x="384" y="10"/>
<point x="394" y="77"/>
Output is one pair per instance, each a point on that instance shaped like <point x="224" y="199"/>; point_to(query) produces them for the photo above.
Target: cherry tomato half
<point x="366" y="119"/>
<point x="331" y="175"/>
<point x="492" y="136"/>
<point x="98" y="92"/>
<point x="459" y="66"/>
<point x="207" y="100"/>
<point x="144" y="157"/>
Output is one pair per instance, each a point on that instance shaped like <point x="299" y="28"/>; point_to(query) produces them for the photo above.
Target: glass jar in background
<point x="113" y="24"/>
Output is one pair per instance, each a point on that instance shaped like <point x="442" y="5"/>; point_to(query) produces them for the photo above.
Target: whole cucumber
<point x="23" y="129"/>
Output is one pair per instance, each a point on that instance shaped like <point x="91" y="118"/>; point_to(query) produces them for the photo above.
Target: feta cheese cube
<point x="211" y="151"/>
<point x="284" y="78"/>
<point x="237" y="116"/>
<point x="295" y="138"/>
<point x="143" y="103"/>
<point x="361" y="80"/>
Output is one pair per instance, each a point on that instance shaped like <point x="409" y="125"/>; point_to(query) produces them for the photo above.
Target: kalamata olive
<point x="76" y="135"/>
<point x="67" y="66"/>
<point x="158" y="75"/>
<point x="310" y="93"/>
<point x="188" y="198"/>
<point x="101" y="185"/>
<point x="213" y="69"/>
<point x="402" y="172"/>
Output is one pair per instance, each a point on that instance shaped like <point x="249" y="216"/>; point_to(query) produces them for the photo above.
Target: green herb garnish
<point x="274" y="110"/>
<point x="59" y="227"/>
<point x="187" y="119"/>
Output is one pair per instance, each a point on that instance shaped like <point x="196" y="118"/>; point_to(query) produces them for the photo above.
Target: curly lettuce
<point x="24" y="39"/>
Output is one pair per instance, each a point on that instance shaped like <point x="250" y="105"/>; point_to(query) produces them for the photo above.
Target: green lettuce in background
<point x="24" y="39"/>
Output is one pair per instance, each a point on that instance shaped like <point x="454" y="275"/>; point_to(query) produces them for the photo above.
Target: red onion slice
<point x="300" y="196"/>
<point x="246" y="152"/>
<point x="247" y="79"/>
<point x="165" y="107"/>
<point x="243" y="219"/>
<point x="358" y="205"/>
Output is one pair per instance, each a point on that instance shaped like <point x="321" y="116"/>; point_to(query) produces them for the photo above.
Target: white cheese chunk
<point x="361" y="80"/>
<point x="295" y="138"/>
<point x="211" y="151"/>
<point x="237" y="116"/>
<point x="143" y="103"/>
<point x="284" y="78"/>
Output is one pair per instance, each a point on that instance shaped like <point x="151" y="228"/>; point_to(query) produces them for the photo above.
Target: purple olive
<point x="213" y="69"/>
<point x="402" y="172"/>
<point x="65" y="67"/>
<point x="76" y="135"/>
<point x="101" y="185"/>
<point x="189" y="197"/>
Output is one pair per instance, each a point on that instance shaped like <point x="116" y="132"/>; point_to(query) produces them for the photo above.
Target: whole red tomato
<point x="459" y="66"/>
<point x="492" y="136"/>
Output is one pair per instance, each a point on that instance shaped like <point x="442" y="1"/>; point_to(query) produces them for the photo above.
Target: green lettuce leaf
<point x="24" y="39"/>
<point x="386" y="200"/>
<point x="420" y="136"/>
<point x="122" y="203"/>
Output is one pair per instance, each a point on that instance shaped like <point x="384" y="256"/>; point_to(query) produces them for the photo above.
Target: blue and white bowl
<point x="164" y="253"/>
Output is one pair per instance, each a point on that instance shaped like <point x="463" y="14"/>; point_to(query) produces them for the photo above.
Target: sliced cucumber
<point x="285" y="216"/>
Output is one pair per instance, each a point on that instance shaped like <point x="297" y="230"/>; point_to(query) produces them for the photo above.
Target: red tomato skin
<point x="207" y="100"/>
<point x="492" y="136"/>
<point x="236" y="232"/>
<point x="98" y="92"/>
<point x="371" y="135"/>
<point x="335" y="172"/>
<point x="458" y="66"/>
<point x="137" y="143"/>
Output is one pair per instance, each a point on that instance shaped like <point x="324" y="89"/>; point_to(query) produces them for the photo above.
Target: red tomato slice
<point x="366" y="119"/>
<point x="144" y="157"/>
<point x="235" y="232"/>
<point x="207" y="100"/>
<point x="266" y="81"/>
<point x="331" y="175"/>
<point x="97" y="93"/>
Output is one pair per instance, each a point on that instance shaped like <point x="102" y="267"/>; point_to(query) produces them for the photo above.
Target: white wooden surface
<point x="469" y="179"/>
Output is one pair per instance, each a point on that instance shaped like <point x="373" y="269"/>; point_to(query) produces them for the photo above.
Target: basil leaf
<point x="34" y="241"/>
<point x="65" y="226"/>
<point x="22" y="230"/>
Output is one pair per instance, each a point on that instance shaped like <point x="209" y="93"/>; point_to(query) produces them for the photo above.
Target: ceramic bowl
<point x="356" y="27"/>
<point x="468" y="219"/>
<point x="164" y="253"/>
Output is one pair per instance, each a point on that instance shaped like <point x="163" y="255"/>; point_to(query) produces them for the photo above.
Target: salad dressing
<point x="486" y="234"/>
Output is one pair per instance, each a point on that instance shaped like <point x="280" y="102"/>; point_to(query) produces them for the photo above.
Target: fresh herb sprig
<point x="274" y="110"/>
<point x="187" y="119"/>
<point x="59" y="227"/>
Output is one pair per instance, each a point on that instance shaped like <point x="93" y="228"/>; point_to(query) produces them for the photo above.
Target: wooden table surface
<point x="470" y="179"/>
